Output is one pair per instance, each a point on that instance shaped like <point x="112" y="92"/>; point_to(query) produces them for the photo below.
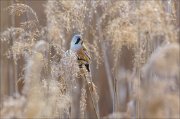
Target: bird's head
<point x="76" y="42"/>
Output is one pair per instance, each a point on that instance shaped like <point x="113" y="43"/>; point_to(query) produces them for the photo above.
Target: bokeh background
<point x="124" y="65"/>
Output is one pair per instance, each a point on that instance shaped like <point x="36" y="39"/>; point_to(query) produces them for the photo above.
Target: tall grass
<point x="53" y="86"/>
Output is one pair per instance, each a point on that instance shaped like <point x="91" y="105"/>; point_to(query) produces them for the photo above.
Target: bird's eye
<point x="77" y="41"/>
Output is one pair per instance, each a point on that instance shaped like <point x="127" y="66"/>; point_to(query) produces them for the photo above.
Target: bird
<point x="77" y="45"/>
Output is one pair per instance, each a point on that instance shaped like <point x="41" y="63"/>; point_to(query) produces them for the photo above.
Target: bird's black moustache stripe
<point x="77" y="41"/>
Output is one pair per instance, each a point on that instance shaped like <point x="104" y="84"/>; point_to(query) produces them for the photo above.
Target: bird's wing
<point x="85" y="51"/>
<point x="83" y="55"/>
<point x="87" y="55"/>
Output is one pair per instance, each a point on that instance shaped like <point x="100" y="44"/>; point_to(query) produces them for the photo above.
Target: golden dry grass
<point x="52" y="85"/>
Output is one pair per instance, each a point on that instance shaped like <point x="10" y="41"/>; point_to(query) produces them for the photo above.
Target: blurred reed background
<point x="134" y="48"/>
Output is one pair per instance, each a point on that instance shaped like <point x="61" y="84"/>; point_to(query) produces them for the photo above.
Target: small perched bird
<point x="79" y="48"/>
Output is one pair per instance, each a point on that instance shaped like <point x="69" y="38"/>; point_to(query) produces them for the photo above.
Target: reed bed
<point x="135" y="60"/>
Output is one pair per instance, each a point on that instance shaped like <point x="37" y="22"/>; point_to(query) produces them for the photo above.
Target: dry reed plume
<point x="135" y="62"/>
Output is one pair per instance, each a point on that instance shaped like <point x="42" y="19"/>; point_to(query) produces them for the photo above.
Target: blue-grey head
<point x="76" y="42"/>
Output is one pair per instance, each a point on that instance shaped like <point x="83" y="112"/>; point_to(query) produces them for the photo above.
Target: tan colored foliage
<point x="53" y="85"/>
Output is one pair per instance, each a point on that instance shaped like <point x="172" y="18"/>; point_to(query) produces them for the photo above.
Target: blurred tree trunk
<point x="5" y="22"/>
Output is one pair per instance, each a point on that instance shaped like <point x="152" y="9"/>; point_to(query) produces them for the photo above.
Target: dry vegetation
<point x="52" y="85"/>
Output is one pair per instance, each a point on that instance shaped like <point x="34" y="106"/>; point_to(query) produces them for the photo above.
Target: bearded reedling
<point x="77" y="45"/>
